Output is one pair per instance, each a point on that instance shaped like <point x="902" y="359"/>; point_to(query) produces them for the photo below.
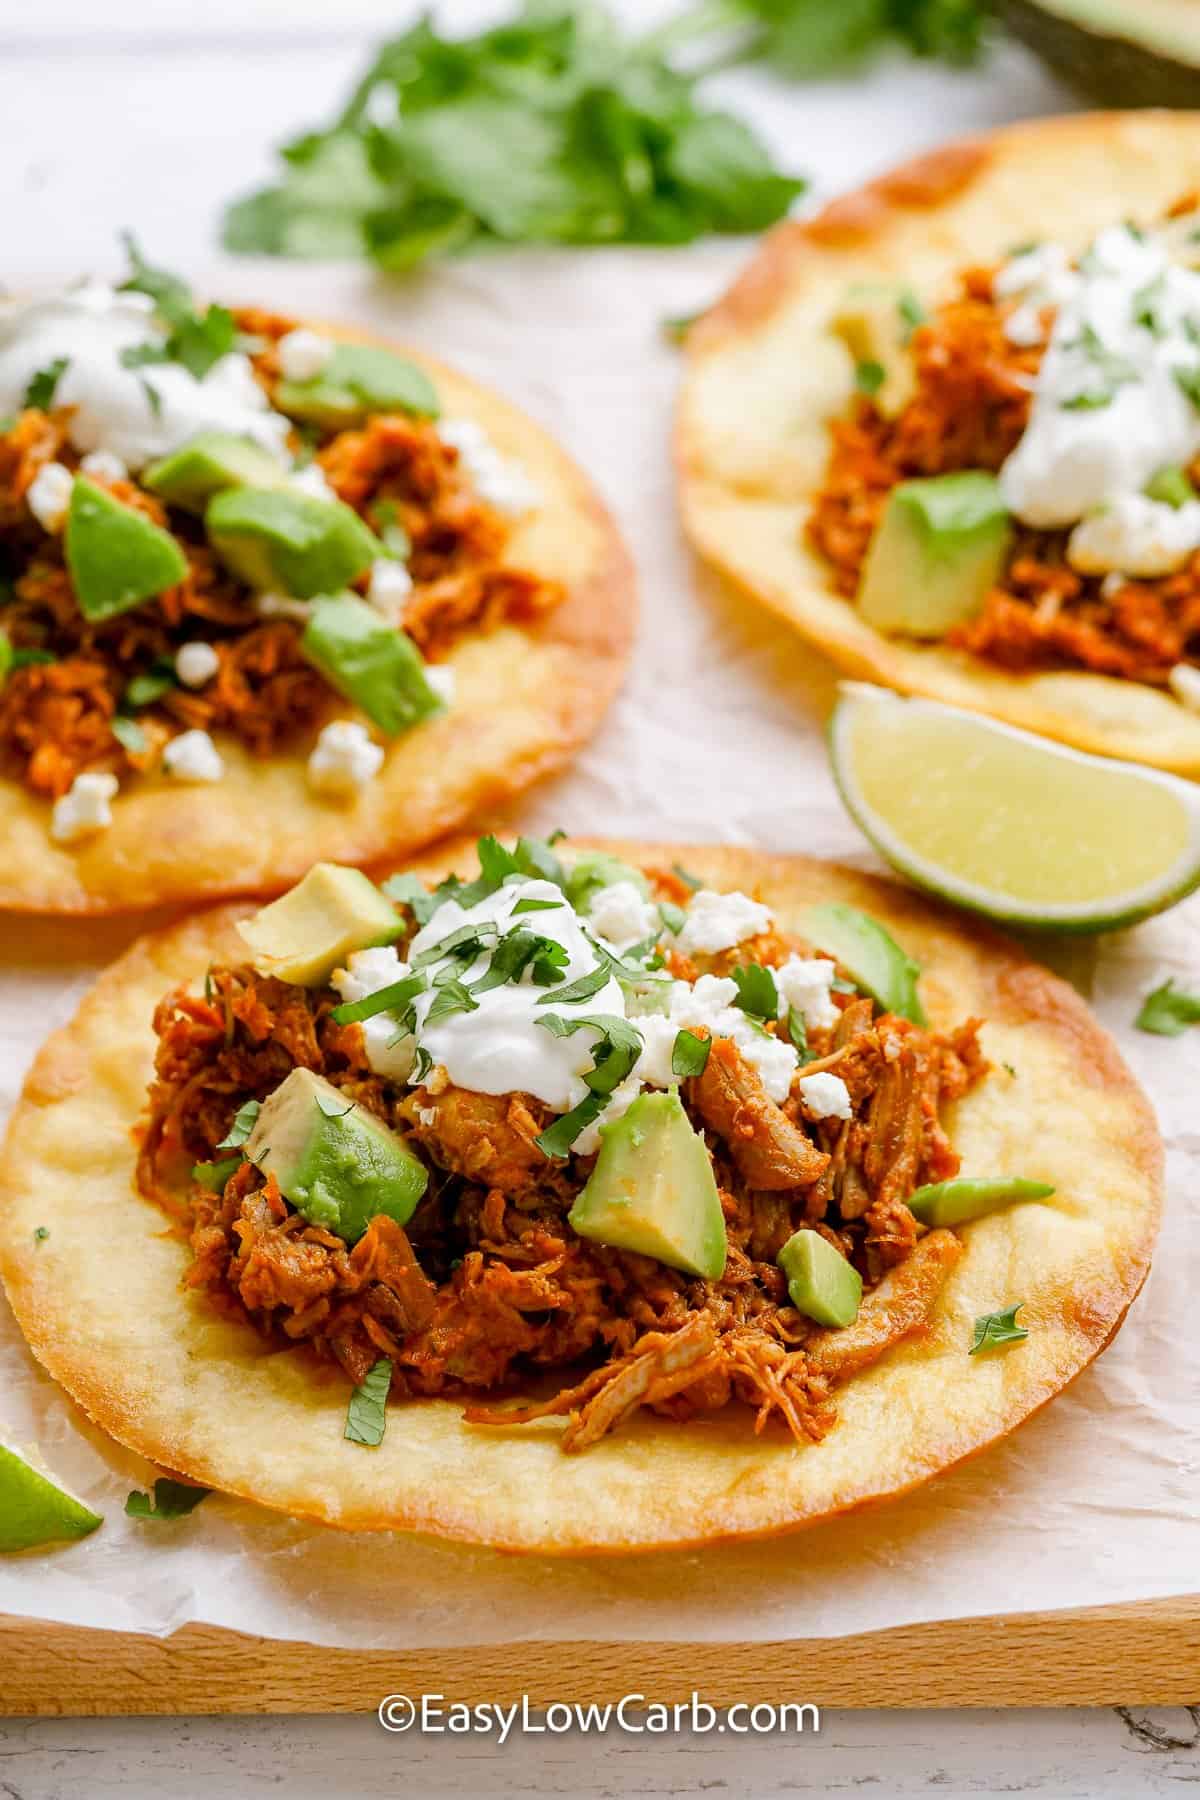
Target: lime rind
<point x="1110" y="913"/>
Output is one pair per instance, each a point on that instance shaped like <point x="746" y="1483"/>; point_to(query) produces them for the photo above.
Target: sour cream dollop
<point x="88" y="328"/>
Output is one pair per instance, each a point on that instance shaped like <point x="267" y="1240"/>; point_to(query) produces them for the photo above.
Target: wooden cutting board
<point x="1147" y="1654"/>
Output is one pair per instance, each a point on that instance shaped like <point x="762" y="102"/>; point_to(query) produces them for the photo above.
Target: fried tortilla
<point x="527" y="694"/>
<point x="100" y="1290"/>
<point x="767" y="376"/>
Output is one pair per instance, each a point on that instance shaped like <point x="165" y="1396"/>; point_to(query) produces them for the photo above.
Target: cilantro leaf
<point x="243" y="1124"/>
<point x="798" y="1032"/>
<point x="869" y="377"/>
<point x="673" y="917"/>
<point x="688" y="879"/>
<point x="690" y="1054"/>
<point x="151" y="685"/>
<point x="214" y="1175"/>
<point x="550" y="127"/>
<point x="995" y="1329"/>
<point x="129" y="734"/>
<point x="529" y="906"/>
<point x="805" y="38"/>
<point x="409" y="890"/>
<point x="393" y="998"/>
<point x="41" y="389"/>
<point x="618" y="1046"/>
<point x="195" y="339"/>
<point x="1168" y="1011"/>
<point x="757" y="992"/>
<point x="452" y="997"/>
<point x="171" y="1500"/>
<point x="366" y="1415"/>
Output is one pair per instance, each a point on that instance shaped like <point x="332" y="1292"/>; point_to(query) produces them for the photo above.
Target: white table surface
<point x="149" y="113"/>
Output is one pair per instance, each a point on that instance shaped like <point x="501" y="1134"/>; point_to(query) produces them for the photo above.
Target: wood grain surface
<point x="1137" y="1655"/>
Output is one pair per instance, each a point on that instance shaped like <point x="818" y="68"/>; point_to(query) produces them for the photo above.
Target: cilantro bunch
<point x="552" y="128"/>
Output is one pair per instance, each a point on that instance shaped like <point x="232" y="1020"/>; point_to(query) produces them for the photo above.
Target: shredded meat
<point x="969" y="410"/>
<point x="488" y="1286"/>
<point x="57" y="712"/>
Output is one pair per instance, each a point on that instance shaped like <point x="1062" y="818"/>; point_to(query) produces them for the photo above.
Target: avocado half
<point x="1120" y="52"/>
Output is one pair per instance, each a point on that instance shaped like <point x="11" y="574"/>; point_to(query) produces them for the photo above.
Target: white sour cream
<point x="500" y="1048"/>
<point x="1074" y="460"/>
<point x="90" y="326"/>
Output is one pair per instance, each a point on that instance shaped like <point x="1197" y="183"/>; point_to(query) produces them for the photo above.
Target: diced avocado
<point x="597" y="869"/>
<point x="311" y="930"/>
<point x="653" y="1190"/>
<point x="971" y="1196"/>
<point x="1171" y="485"/>
<point x="370" y="661"/>
<point x="278" y="538"/>
<point x="333" y="1159"/>
<point x="359" y="379"/>
<point x="940" y="546"/>
<point x="821" y="1283"/>
<point x="875" y="322"/>
<point x="869" y="954"/>
<point x="117" y="557"/>
<point x="212" y="460"/>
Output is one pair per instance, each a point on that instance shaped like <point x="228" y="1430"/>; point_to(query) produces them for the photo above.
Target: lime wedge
<point x="1007" y="823"/>
<point x="35" y="1510"/>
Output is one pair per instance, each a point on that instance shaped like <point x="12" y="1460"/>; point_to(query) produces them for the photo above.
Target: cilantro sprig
<point x="993" y="1330"/>
<point x="550" y="127"/>
<point x="170" y="1500"/>
<point x="195" y="338"/>
<point x="1168" y="1011"/>
<point x="617" y="1048"/>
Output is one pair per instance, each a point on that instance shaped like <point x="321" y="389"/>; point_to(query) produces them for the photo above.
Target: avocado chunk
<point x="940" y="546"/>
<point x="359" y="379"/>
<point x="279" y="538"/>
<point x="821" y="1283"/>
<point x="870" y="955"/>
<point x="971" y="1196"/>
<point x="117" y="557"/>
<point x="333" y="1159"/>
<point x="875" y="322"/>
<point x="212" y="460"/>
<point x="1119" y="52"/>
<point x="597" y="869"/>
<point x="653" y="1190"/>
<point x="310" y="931"/>
<point x="367" y="659"/>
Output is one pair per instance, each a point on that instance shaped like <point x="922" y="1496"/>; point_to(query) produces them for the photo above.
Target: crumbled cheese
<point x="389" y="588"/>
<point x="709" y="1002"/>
<point x="826" y="1096"/>
<point x="344" y="758"/>
<point x="102" y="465"/>
<point x="443" y="680"/>
<point x="303" y="355"/>
<point x="620" y="1101"/>
<point x="622" y="915"/>
<point x="366" y="972"/>
<point x="1136" y="536"/>
<point x="1184" y="681"/>
<point x="1042" y="274"/>
<point x="192" y="756"/>
<point x="497" y="480"/>
<point x="1023" y="327"/>
<point x="720" y="921"/>
<point x="805" y="984"/>
<point x="196" y="663"/>
<point x="84" y="808"/>
<point x="282" y="606"/>
<point x="48" y="495"/>
<point x="312" y="480"/>
<point x="1112" y="584"/>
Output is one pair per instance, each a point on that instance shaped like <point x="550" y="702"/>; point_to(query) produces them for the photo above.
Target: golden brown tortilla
<point x="527" y="698"/>
<point x="101" y="1301"/>
<point x="765" y="375"/>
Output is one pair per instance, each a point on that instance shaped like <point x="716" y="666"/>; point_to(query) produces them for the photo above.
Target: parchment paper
<point x="716" y="737"/>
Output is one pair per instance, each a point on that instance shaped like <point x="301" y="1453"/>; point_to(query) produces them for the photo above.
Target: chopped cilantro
<point x="41" y="389"/>
<point x="25" y="659"/>
<point x="366" y="1415"/>
<point x="676" y="326"/>
<point x="393" y="998"/>
<point x="673" y="917"/>
<point x="385" y="518"/>
<point x="1189" y="381"/>
<point x="798" y="1032"/>
<point x="172" y="1500"/>
<point x="583" y="989"/>
<point x="409" y="890"/>
<point x="151" y="685"/>
<point x="690" y="1054"/>
<point x="688" y="879"/>
<point x="912" y="313"/>
<point x="243" y="1124"/>
<point x="994" y="1329"/>
<point x="530" y="906"/>
<point x="214" y="1175"/>
<point x="757" y="992"/>
<point x="1168" y="1011"/>
<point x="42" y="1233"/>
<point x="194" y="338"/>
<point x="618" y="1046"/>
<point x="451" y="997"/>
<point x="869" y="377"/>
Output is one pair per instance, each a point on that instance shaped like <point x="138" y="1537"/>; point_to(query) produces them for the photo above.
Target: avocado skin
<point x="1116" y="68"/>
